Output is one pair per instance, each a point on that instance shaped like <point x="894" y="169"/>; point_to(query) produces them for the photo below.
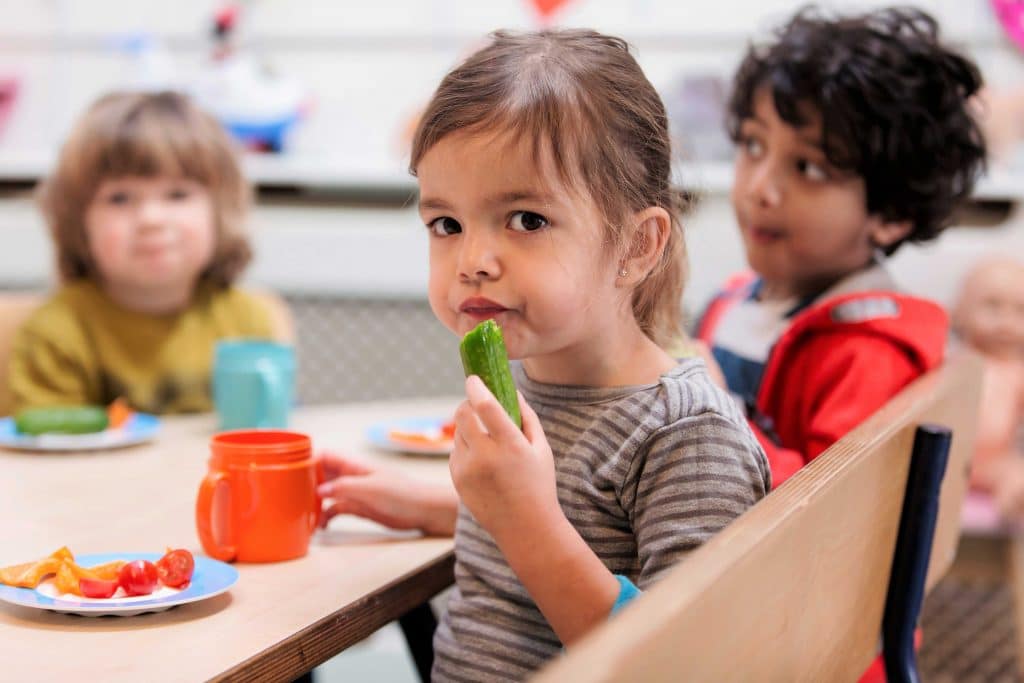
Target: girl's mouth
<point x="480" y="308"/>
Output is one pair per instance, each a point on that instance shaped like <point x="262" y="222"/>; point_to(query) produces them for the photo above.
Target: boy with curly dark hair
<point x="855" y="135"/>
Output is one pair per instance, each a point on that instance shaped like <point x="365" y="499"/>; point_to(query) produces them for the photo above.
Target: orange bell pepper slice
<point x="70" y="574"/>
<point x="66" y="581"/>
<point x="118" y="413"/>
<point x="442" y="437"/>
<point x="29" y="574"/>
<point x="414" y="438"/>
<point x="105" y="572"/>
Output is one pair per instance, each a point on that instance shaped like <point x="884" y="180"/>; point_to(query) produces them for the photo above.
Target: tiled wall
<point x="371" y="349"/>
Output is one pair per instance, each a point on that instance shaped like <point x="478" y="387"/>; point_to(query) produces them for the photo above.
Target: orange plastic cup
<point x="258" y="502"/>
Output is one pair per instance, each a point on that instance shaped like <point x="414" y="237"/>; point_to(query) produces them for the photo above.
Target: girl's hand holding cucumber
<point x="505" y="475"/>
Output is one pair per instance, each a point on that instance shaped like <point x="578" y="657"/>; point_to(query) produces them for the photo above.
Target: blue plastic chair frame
<point x="913" y="550"/>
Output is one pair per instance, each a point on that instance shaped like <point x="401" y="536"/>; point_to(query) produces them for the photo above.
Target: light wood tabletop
<point x="279" y="620"/>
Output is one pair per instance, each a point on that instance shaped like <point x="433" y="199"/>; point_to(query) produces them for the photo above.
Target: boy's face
<point x="508" y="241"/>
<point x="804" y="222"/>
<point x="150" y="234"/>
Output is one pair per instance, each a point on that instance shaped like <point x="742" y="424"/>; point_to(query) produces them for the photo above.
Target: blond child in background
<point x="988" y="317"/>
<point x="146" y="208"/>
<point x="544" y="171"/>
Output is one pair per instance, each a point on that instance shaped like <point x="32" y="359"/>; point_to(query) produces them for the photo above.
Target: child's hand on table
<point x="506" y="477"/>
<point x="386" y="496"/>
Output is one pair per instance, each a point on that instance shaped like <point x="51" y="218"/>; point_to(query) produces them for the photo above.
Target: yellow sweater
<point x="82" y="348"/>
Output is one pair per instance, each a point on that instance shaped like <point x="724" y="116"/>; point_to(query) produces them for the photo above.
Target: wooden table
<point x="279" y="620"/>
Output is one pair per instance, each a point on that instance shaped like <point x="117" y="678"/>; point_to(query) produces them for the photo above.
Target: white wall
<point x="371" y="66"/>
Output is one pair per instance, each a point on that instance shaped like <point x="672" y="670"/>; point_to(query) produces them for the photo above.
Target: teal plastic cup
<point x="253" y="383"/>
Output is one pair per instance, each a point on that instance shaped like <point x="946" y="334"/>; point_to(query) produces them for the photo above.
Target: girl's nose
<point x="478" y="257"/>
<point x="764" y="186"/>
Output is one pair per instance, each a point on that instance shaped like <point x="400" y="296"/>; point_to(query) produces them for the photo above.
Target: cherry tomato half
<point x="138" y="577"/>
<point x="175" y="568"/>
<point x="97" y="588"/>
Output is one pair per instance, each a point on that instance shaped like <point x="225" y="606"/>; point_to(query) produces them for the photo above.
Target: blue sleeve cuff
<point x="627" y="591"/>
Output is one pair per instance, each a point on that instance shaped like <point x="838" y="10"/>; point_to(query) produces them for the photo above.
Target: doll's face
<point x="990" y="313"/>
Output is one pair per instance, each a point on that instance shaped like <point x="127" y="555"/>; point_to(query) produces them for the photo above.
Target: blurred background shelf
<point x="375" y="177"/>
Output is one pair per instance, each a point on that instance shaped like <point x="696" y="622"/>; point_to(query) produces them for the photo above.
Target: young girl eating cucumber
<point x="543" y="164"/>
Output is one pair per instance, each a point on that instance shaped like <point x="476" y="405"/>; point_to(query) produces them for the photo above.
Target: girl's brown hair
<point x="146" y="134"/>
<point x="581" y="95"/>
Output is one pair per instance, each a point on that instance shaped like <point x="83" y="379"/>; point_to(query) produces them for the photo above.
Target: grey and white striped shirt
<point x="644" y="473"/>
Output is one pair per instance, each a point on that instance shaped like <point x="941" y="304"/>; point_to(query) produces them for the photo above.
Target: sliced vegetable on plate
<point x="114" y="584"/>
<point x="133" y="578"/>
<point x="439" y="436"/>
<point x="62" y="420"/>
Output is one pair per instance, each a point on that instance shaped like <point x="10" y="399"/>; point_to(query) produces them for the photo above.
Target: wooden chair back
<point x="794" y="590"/>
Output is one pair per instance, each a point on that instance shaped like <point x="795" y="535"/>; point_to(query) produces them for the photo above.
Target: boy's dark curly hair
<point x="894" y="106"/>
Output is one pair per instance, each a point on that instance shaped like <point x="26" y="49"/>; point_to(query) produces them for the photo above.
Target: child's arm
<point x="506" y="478"/>
<point x="48" y="369"/>
<point x="693" y="478"/>
<point x="387" y="496"/>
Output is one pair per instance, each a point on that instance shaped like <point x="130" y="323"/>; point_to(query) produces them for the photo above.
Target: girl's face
<point x="804" y="223"/>
<point x="150" y="234"/>
<point x="508" y="241"/>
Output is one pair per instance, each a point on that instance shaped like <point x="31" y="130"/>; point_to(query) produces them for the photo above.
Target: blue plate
<point x="378" y="435"/>
<point x="139" y="428"/>
<point x="210" y="578"/>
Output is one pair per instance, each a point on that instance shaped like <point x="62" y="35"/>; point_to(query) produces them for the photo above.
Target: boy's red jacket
<point x="839" y="361"/>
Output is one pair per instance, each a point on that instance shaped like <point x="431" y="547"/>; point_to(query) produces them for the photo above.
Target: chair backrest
<point x="15" y="307"/>
<point x="795" y="588"/>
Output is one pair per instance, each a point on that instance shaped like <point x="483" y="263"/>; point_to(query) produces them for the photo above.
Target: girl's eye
<point x="118" y="198"/>
<point x="752" y="147"/>
<point x="527" y="221"/>
<point x="178" y="194"/>
<point x="445" y="225"/>
<point x="811" y="170"/>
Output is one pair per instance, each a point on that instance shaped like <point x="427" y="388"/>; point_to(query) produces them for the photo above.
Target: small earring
<point x="623" y="272"/>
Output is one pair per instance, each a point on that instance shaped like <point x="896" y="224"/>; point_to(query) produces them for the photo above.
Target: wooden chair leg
<point x="1015" y="576"/>
<point x="913" y="550"/>
<point x="418" y="625"/>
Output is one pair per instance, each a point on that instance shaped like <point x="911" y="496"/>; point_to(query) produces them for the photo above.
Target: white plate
<point x="210" y="578"/>
<point x="139" y="428"/>
<point x="378" y="435"/>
